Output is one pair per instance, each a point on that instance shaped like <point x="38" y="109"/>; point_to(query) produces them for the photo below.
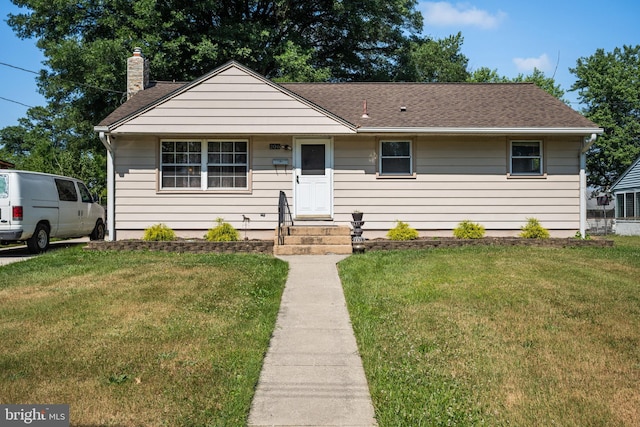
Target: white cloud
<point x="542" y="63"/>
<point x="446" y="14"/>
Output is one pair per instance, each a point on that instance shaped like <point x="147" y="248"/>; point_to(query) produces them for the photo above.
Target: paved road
<point x="12" y="254"/>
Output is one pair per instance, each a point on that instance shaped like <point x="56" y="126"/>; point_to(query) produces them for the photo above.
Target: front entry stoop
<point x="314" y="240"/>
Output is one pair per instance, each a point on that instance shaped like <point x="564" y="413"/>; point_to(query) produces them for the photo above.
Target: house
<point x="430" y="154"/>
<point x="6" y="165"/>
<point x="626" y="193"/>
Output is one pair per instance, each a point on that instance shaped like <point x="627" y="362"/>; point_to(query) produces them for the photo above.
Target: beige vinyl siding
<point x="233" y="102"/>
<point x="458" y="178"/>
<point x="140" y="205"/>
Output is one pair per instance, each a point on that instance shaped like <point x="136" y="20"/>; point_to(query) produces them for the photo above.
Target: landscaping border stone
<point x="186" y="246"/>
<point x="445" y="242"/>
<point x="266" y="246"/>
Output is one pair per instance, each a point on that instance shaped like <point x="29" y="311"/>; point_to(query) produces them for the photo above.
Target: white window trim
<point x="541" y="174"/>
<point x="623" y="209"/>
<point x="204" y="164"/>
<point x="411" y="174"/>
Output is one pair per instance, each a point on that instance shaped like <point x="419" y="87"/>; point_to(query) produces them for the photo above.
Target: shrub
<point x="159" y="233"/>
<point x="402" y="231"/>
<point x="533" y="230"/>
<point x="468" y="230"/>
<point x="223" y="232"/>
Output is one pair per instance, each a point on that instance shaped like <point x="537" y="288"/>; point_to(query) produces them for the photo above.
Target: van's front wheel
<point x="39" y="242"/>
<point x="98" y="231"/>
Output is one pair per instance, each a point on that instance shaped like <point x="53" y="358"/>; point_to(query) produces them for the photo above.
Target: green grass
<point x="500" y="336"/>
<point x="135" y="338"/>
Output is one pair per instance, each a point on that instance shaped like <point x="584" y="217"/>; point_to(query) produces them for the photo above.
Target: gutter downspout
<point x="111" y="219"/>
<point x="583" y="183"/>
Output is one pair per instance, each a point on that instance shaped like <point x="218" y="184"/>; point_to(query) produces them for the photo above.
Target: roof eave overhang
<point x="482" y="130"/>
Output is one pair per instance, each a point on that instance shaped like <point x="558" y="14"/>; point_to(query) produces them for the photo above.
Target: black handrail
<point x="284" y="217"/>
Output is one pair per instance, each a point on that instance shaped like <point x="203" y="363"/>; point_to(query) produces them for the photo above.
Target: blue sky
<point x="510" y="36"/>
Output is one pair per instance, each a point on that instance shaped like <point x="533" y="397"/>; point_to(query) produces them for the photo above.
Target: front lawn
<point x="135" y="338"/>
<point x="496" y="336"/>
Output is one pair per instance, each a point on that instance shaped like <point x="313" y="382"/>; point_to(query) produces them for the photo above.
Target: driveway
<point x="12" y="254"/>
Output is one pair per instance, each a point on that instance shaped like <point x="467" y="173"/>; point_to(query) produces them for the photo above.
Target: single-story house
<point x="430" y="154"/>
<point x="6" y="165"/>
<point x="626" y="192"/>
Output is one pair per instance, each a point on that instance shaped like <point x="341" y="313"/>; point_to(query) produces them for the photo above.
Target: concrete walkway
<point x="312" y="374"/>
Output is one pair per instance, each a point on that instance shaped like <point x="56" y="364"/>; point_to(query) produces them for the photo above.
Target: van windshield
<point x="4" y="186"/>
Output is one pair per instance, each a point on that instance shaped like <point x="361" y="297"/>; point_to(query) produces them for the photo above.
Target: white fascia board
<point x="486" y="131"/>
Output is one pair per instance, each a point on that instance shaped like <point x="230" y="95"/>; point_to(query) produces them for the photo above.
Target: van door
<point x="89" y="213"/>
<point x="69" y="218"/>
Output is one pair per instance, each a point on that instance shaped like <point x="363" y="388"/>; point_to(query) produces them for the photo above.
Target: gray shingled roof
<point x="438" y="105"/>
<point x="428" y="105"/>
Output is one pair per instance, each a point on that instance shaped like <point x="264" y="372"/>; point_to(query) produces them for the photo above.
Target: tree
<point x="43" y="143"/>
<point x="608" y="84"/>
<point x="428" y="60"/>
<point x="86" y="43"/>
<point x="486" y="75"/>
<point x="548" y="84"/>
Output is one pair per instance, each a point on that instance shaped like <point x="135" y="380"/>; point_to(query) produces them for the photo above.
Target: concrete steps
<point x="314" y="240"/>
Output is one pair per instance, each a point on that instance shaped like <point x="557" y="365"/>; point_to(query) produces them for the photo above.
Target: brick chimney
<point x="137" y="73"/>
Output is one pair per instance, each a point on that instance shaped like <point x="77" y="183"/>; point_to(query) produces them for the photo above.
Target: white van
<point x="35" y="207"/>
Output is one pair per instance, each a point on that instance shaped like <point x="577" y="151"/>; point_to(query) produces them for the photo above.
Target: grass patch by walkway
<point x="138" y="339"/>
<point x="500" y="336"/>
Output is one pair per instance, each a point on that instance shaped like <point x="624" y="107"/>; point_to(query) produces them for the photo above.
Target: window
<point x="526" y="158"/>
<point x="4" y="186"/>
<point x="84" y="193"/>
<point x="202" y="165"/>
<point x="395" y="158"/>
<point x="66" y="190"/>
<point x="628" y="205"/>
<point x="227" y="164"/>
<point x="181" y="164"/>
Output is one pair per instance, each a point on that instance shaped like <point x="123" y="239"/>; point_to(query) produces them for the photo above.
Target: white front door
<point x="313" y="178"/>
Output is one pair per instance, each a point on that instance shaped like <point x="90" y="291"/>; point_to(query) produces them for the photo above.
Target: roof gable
<point x="629" y="178"/>
<point x="230" y="100"/>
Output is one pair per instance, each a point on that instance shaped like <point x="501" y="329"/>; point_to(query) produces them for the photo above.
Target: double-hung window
<point x="227" y="164"/>
<point x="628" y="204"/>
<point x="181" y="164"/>
<point x="204" y="165"/>
<point x="396" y="158"/>
<point x="526" y="158"/>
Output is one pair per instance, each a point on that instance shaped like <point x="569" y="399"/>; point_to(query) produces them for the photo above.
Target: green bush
<point x="468" y="230"/>
<point x="159" y="233"/>
<point x="402" y="231"/>
<point x="533" y="230"/>
<point x="223" y="232"/>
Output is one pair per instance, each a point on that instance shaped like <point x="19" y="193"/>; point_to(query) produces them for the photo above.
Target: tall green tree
<point x="429" y="60"/>
<point x="548" y="84"/>
<point x="86" y="43"/>
<point x="608" y="84"/>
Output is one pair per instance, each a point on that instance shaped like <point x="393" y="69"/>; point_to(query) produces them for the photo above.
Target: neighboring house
<point x="626" y="192"/>
<point x="430" y="154"/>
